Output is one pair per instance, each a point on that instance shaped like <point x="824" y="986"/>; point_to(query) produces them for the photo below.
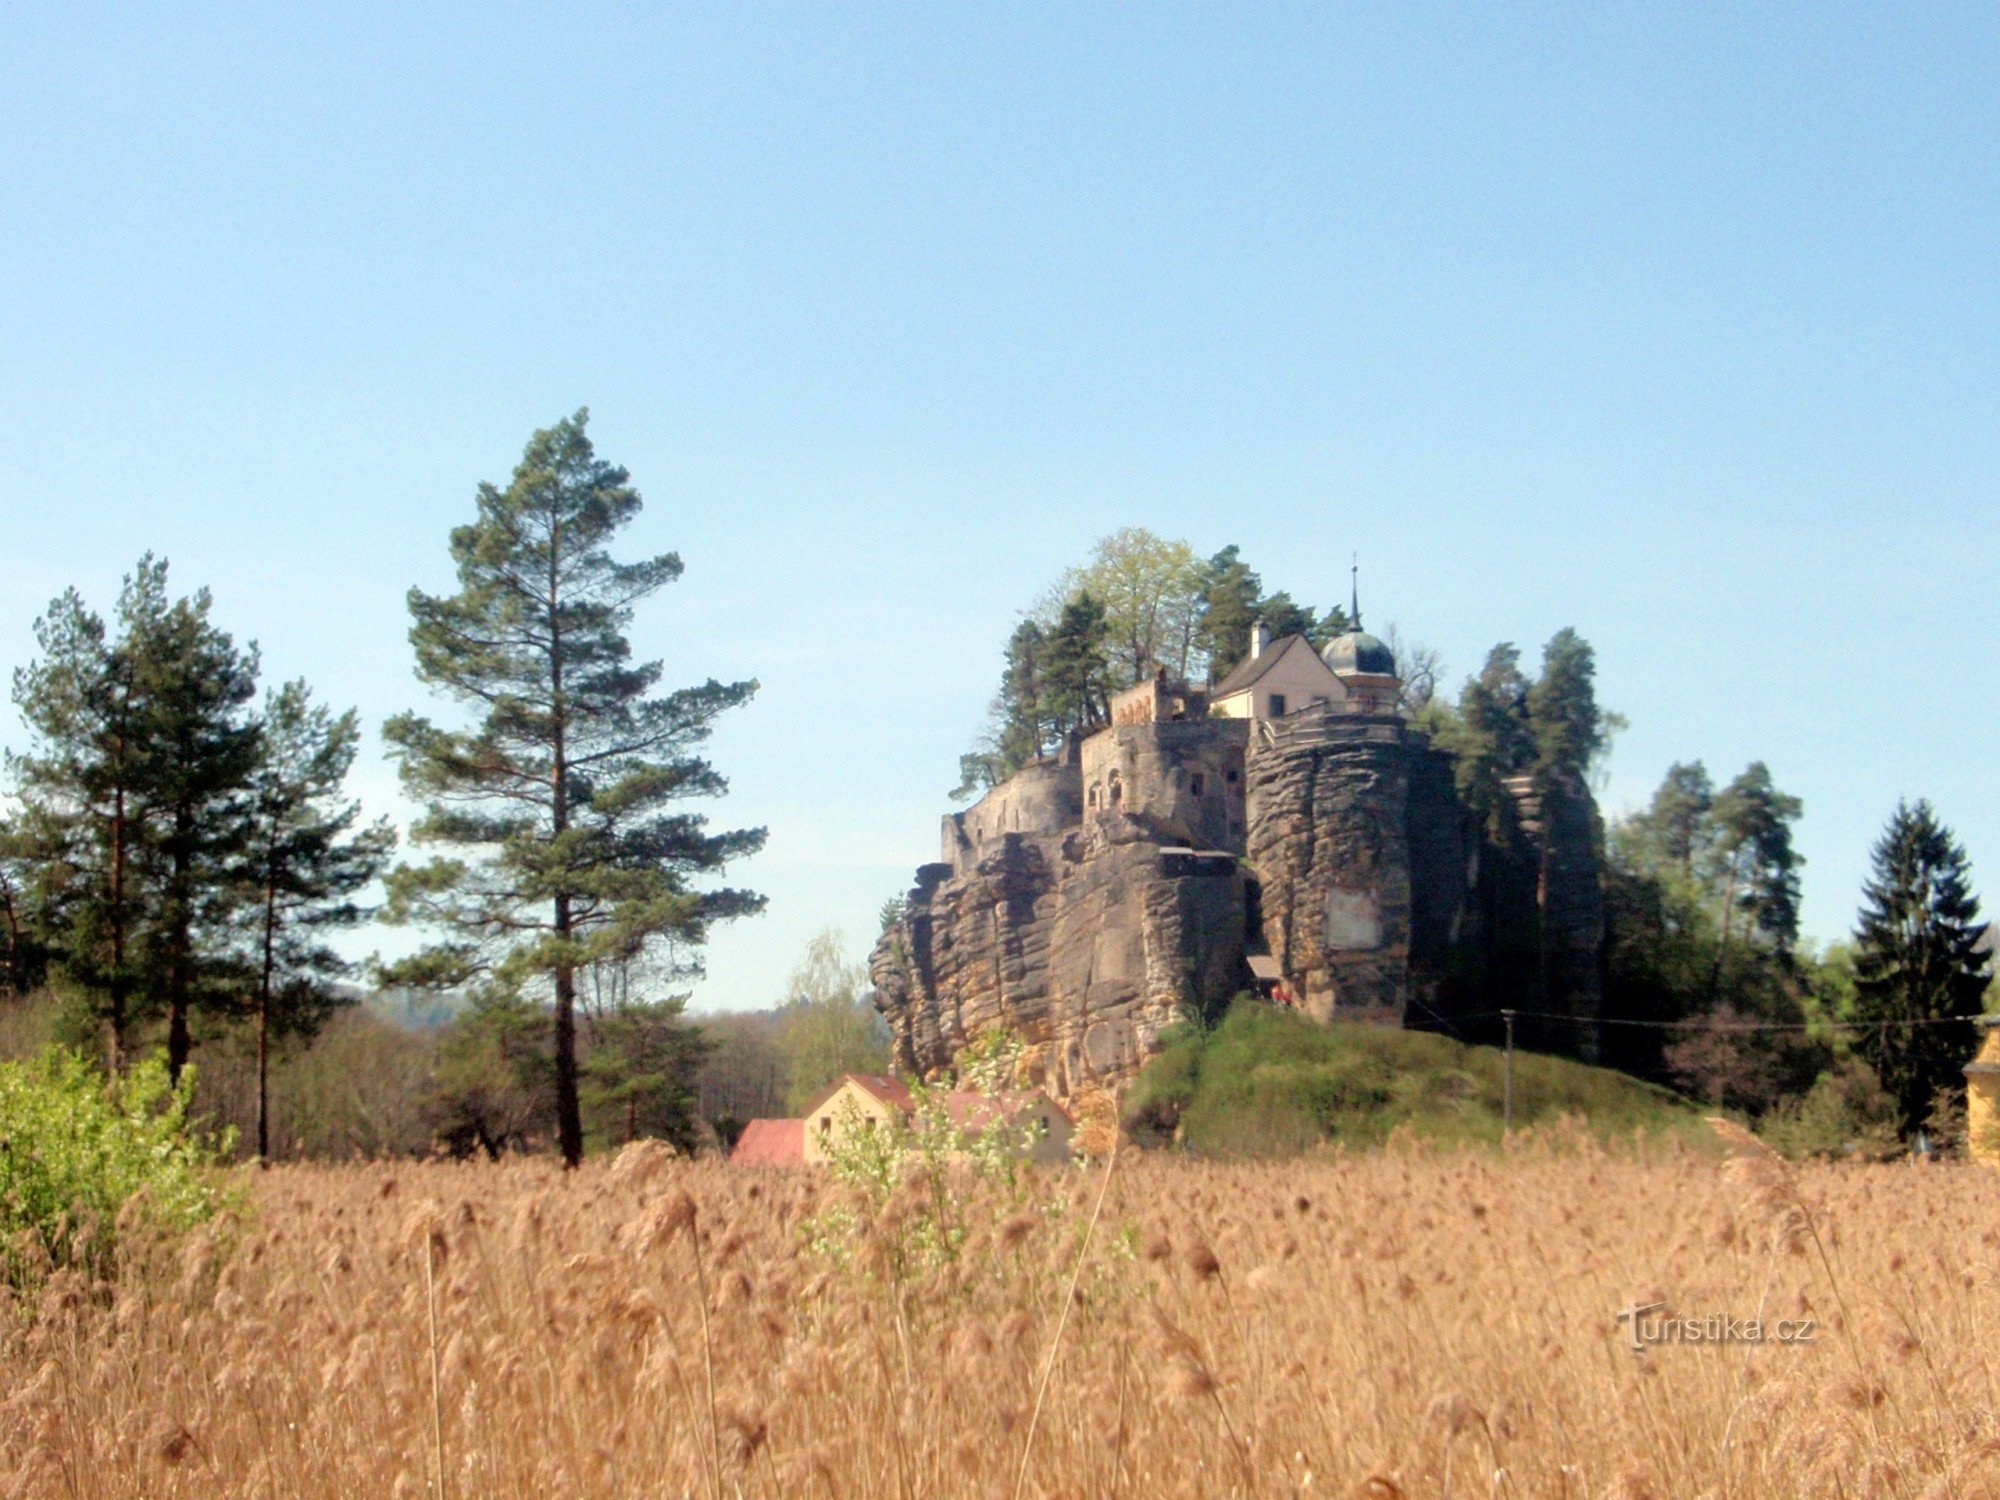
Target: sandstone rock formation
<point x="1156" y="869"/>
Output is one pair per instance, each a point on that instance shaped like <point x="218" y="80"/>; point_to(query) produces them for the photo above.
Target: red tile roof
<point x="770" y="1143"/>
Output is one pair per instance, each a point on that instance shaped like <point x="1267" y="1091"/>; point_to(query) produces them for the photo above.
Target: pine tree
<point x="1076" y="668"/>
<point x="640" y="1073"/>
<point x="306" y="863"/>
<point x="1490" y="737"/>
<point x="132" y="802"/>
<point x="1919" y="977"/>
<point x="192" y="687"/>
<point x="1018" y="729"/>
<point x="1283" y="617"/>
<point x="23" y="953"/>
<point x="1564" y="721"/>
<point x="1756" y="867"/>
<point x="556" y="803"/>
<point x="1230" y="592"/>
<point x="1676" y="827"/>
<point x="81" y="816"/>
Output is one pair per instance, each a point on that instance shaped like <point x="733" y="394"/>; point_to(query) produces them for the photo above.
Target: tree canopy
<point x="1920" y="977"/>
<point x="555" y="805"/>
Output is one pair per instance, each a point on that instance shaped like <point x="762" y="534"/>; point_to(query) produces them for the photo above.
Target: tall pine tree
<point x="556" y="803"/>
<point x="1076" y="668"/>
<point x="131" y="804"/>
<point x="81" y="813"/>
<point x="306" y="864"/>
<point x="1756" y="866"/>
<point x="193" y="687"/>
<point x="1919" y="977"/>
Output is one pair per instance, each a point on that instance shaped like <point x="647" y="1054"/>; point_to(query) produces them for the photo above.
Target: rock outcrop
<point x="1157" y="869"/>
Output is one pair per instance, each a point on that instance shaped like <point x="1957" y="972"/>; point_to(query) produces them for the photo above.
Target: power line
<point x="1748" y="1026"/>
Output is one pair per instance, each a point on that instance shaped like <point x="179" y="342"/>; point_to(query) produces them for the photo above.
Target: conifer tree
<point x="1490" y="737"/>
<point x="81" y="815"/>
<point x="131" y="803"/>
<point x="556" y="804"/>
<point x="1757" y="869"/>
<point x="306" y="863"/>
<point x="1229" y="609"/>
<point x="1919" y="975"/>
<point x="1676" y="827"/>
<point x="1076" y="668"/>
<point x="1564" y="720"/>
<point x="1018" y="728"/>
<point x="192" y="687"/>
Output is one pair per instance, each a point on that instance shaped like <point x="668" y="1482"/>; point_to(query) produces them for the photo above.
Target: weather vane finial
<point x="1357" y="591"/>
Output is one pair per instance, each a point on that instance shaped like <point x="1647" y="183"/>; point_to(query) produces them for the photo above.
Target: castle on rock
<point x="1286" y="830"/>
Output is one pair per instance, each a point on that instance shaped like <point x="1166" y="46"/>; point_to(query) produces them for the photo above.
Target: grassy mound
<point x="1266" y="1081"/>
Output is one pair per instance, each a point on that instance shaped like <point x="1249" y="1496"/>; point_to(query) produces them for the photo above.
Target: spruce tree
<point x="1919" y="975"/>
<point x="305" y="863"/>
<point x="556" y="804"/>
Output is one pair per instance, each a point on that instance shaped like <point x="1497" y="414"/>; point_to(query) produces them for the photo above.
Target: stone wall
<point x="1086" y="945"/>
<point x="1329" y="847"/>
<point x="1183" y="779"/>
<point x="1043" y="797"/>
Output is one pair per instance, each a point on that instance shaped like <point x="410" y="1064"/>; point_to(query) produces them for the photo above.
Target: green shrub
<point x="1266" y="1081"/>
<point x="84" y="1163"/>
<point x="1845" y="1114"/>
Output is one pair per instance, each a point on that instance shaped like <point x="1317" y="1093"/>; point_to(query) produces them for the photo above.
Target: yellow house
<point x="864" y="1100"/>
<point x="1277" y="678"/>
<point x="868" y="1101"/>
<point x="1982" y="1097"/>
<point x="1047" y="1122"/>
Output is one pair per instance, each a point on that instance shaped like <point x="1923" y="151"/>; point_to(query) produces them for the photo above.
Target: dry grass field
<point x="1400" y="1323"/>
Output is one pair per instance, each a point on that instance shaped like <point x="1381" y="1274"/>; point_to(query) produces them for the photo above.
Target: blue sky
<point x="1680" y="325"/>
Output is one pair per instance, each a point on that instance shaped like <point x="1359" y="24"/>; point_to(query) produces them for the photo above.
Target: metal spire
<point x="1356" y="614"/>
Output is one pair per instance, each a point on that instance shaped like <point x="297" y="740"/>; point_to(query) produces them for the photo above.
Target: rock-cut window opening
<point x="1197" y="785"/>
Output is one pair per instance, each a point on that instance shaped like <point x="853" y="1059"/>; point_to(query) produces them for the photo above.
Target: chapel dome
<point x="1358" y="652"/>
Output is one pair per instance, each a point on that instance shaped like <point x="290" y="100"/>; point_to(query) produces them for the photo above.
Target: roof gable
<point x="889" y="1091"/>
<point x="1252" y="670"/>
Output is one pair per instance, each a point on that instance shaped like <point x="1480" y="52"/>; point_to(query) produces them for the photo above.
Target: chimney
<point x="1260" y="639"/>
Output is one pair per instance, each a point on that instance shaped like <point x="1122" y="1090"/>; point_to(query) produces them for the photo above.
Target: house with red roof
<point x="873" y="1101"/>
<point x="770" y="1143"/>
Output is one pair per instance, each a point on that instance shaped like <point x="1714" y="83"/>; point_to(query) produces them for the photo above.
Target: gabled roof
<point x="770" y="1143"/>
<point x="1250" y="671"/>
<point x="889" y="1091"/>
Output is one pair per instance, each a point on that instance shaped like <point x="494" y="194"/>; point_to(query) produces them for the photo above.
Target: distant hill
<point x="1268" y="1082"/>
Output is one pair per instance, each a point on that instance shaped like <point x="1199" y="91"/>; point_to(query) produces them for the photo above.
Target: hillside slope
<point x="1266" y="1081"/>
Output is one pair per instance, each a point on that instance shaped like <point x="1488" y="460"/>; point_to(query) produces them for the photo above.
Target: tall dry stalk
<point x="1391" y="1319"/>
<point x="437" y="1384"/>
<point x="1062" y="1321"/>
